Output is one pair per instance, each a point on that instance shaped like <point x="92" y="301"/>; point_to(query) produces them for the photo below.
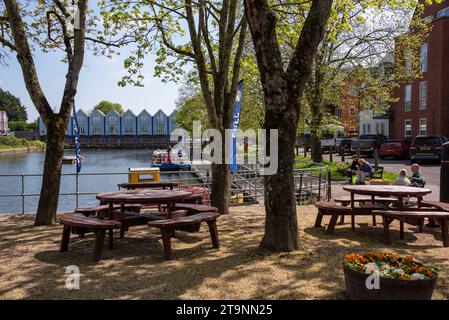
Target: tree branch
<point x="25" y="58"/>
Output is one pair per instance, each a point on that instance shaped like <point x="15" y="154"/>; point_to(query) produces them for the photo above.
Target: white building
<point x="374" y="124"/>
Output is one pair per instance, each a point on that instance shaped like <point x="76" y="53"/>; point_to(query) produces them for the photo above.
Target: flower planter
<point x="389" y="289"/>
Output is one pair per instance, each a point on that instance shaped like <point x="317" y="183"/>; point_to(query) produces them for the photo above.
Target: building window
<point x="160" y="123"/>
<point x="95" y="124"/>
<point x="443" y="13"/>
<point x="408" y="97"/>
<point x="81" y="125"/>
<point x="144" y="125"/>
<point x="353" y="90"/>
<point x="423" y="127"/>
<point x="352" y="112"/>
<point x="128" y="125"/>
<point x="424" y="48"/>
<point x="408" y="128"/>
<point x="423" y="95"/>
<point x="409" y="63"/>
<point x="112" y="125"/>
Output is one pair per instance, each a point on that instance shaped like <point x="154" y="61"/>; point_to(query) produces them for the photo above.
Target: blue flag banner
<point x="233" y="166"/>
<point x="76" y="134"/>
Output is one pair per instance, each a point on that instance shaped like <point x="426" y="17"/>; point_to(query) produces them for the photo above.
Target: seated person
<point x="352" y="170"/>
<point x="402" y="180"/>
<point x="365" y="171"/>
<point x="417" y="179"/>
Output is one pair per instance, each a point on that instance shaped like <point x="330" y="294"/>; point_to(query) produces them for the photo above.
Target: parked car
<point x="344" y="146"/>
<point x="367" y="143"/>
<point x="395" y="148"/>
<point x="427" y="148"/>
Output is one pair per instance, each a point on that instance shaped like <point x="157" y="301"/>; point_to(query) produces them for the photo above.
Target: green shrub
<point x="8" y="142"/>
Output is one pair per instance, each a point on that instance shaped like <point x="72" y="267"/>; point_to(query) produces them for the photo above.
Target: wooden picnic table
<point x="398" y="192"/>
<point x="149" y="185"/>
<point x="141" y="196"/>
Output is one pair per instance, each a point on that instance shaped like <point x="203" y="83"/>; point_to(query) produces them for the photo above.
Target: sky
<point x="98" y="81"/>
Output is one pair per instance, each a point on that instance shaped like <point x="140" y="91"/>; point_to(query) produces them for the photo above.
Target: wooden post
<point x="342" y="153"/>
<point x="305" y="150"/>
<point x="331" y="154"/>
<point x="376" y="160"/>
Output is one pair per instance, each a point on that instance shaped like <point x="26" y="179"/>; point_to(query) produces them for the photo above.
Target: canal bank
<point x="18" y="151"/>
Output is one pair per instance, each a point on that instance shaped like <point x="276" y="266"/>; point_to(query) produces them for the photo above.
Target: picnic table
<point x="149" y="185"/>
<point x="141" y="196"/>
<point x="398" y="192"/>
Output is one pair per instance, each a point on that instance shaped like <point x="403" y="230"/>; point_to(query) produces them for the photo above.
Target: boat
<point x="70" y="159"/>
<point x="163" y="160"/>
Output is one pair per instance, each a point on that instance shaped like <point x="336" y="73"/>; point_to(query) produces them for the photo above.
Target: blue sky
<point x="98" y="81"/>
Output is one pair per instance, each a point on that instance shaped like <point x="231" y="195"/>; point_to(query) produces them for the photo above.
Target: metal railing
<point x="247" y="186"/>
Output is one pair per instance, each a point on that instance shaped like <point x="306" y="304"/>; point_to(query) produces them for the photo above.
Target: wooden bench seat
<point x="335" y="210"/>
<point x="444" y="206"/>
<point x="79" y="223"/>
<point x="414" y="217"/>
<point x="167" y="227"/>
<point x="193" y="208"/>
<point x="103" y="209"/>
<point x="346" y="200"/>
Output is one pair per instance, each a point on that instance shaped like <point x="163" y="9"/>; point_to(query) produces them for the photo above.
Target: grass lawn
<point x="14" y="143"/>
<point x="337" y="169"/>
<point x="31" y="266"/>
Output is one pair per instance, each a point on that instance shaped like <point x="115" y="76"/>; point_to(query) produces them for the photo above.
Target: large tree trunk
<point x="220" y="187"/>
<point x="54" y="152"/>
<point x="281" y="227"/>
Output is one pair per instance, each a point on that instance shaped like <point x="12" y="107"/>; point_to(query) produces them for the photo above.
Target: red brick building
<point x="423" y="105"/>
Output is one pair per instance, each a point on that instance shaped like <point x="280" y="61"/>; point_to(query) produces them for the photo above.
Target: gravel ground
<point x="32" y="268"/>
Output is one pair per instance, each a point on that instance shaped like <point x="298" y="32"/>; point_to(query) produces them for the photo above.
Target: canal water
<point x="96" y="161"/>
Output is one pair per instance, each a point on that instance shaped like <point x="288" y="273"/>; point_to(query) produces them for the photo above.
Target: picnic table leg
<point x="99" y="243"/>
<point x="444" y="231"/>
<point x="111" y="231"/>
<point x="386" y="225"/>
<point x="401" y="230"/>
<point x="166" y="241"/>
<point x="342" y="219"/>
<point x="213" y="233"/>
<point x="319" y="219"/>
<point x="65" y="238"/>
<point x="374" y="216"/>
<point x="352" y="213"/>
<point x="332" y="223"/>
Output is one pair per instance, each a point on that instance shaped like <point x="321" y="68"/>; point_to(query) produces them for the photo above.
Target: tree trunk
<point x="220" y="187"/>
<point x="281" y="226"/>
<point x="54" y="152"/>
<point x="316" y="152"/>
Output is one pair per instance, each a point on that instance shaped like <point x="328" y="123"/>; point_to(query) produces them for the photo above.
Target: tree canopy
<point x="15" y="110"/>
<point x="106" y="106"/>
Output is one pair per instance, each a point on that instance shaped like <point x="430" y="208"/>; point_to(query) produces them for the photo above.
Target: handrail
<point x="307" y="184"/>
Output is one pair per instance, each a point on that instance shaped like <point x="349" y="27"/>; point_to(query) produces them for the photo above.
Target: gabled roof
<point x="81" y="112"/>
<point x="159" y="112"/>
<point x="97" y="111"/>
<point x="128" y="112"/>
<point x="113" y="113"/>
<point x="144" y="113"/>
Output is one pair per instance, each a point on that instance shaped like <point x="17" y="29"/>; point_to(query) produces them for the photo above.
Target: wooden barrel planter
<point x="389" y="289"/>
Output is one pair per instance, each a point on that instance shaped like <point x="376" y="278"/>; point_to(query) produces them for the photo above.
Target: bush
<point x="8" y="142"/>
